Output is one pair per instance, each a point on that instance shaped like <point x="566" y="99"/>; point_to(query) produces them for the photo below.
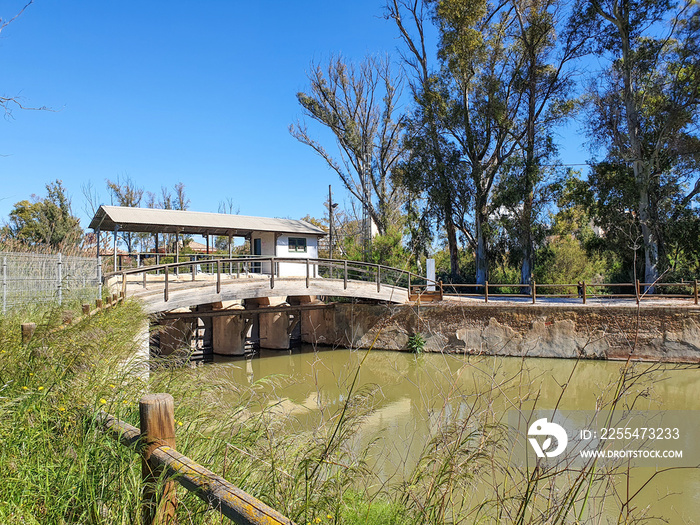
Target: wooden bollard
<point x="157" y="412"/>
<point x="27" y="332"/>
<point x="114" y="298"/>
<point x="86" y="309"/>
<point x="98" y="304"/>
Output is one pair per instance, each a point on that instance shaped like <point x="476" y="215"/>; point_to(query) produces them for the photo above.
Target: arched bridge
<point x="179" y="285"/>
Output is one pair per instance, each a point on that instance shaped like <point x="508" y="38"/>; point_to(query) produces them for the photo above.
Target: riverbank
<point x="650" y="332"/>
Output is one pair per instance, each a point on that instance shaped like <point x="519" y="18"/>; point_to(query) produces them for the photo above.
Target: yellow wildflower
<point x="112" y="386"/>
<point x="329" y="516"/>
<point x="179" y="423"/>
<point x="103" y="401"/>
<point x="25" y="388"/>
<point x="318" y="520"/>
<point x="61" y="409"/>
<point x="40" y="388"/>
<point x="31" y="374"/>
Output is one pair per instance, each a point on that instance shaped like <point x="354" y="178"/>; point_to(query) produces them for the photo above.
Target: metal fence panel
<point x="40" y="278"/>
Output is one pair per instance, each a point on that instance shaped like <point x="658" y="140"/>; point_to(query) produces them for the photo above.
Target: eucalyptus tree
<point x="432" y="166"/>
<point x="358" y="104"/>
<point x="547" y="40"/>
<point x="478" y="102"/>
<point x="645" y="104"/>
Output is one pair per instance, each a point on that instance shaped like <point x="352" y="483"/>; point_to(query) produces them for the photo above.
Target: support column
<point x="114" y="252"/>
<point x="177" y="253"/>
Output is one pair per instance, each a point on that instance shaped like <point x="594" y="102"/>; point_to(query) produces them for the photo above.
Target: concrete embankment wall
<point x="592" y="331"/>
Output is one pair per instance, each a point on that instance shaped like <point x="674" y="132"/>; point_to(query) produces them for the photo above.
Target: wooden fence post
<point x="27" y="332"/>
<point x="86" y="309"/>
<point x="583" y="294"/>
<point x="98" y="304"/>
<point x="157" y="413"/>
<point x="486" y="291"/>
<point x="695" y="290"/>
<point x="534" y="291"/>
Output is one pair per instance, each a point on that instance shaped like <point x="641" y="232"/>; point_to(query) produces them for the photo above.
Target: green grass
<point x="58" y="467"/>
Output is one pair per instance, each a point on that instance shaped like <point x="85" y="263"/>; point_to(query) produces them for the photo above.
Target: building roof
<point x="151" y="220"/>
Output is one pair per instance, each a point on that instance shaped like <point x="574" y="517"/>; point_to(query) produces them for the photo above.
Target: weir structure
<point x="266" y="298"/>
<point x="222" y="306"/>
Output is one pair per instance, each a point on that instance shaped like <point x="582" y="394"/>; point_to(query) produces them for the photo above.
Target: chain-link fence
<point x="38" y="278"/>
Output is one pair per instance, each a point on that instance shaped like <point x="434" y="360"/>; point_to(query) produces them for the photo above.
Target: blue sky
<point x="162" y="92"/>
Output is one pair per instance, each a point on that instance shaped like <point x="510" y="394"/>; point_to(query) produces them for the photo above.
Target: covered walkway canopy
<point x="119" y="219"/>
<point x="151" y="220"/>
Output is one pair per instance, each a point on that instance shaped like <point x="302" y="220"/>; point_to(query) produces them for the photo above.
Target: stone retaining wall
<point x="591" y="331"/>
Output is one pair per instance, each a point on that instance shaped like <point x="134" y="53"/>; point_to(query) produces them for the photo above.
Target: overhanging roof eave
<point x="194" y="223"/>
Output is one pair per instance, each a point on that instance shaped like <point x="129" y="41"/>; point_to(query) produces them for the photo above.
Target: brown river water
<point x="414" y="395"/>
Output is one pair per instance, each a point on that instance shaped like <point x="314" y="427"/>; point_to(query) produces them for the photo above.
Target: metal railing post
<point x="307" y="273"/>
<point x="533" y="288"/>
<point x="379" y="283"/>
<point x="165" y="289"/>
<point x="583" y="294"/>
<point x="345" y="274"/>
<point x="695" y="290"/>
<point x="4" y="285"/>
<point x="124" y="283"/>
<point x="486" y="291"/>
<point x="60" y="279"/>
<point x="272" y="272"/>
<point x="218" y="276"/>
<point x="99" y="277"/>
<point x="144" y="279"/>
<point x="636" y="290"/>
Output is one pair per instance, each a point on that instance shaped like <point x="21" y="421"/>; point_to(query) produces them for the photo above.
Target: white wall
<point x="267" y="246"/>
<point x="293" y="269"/>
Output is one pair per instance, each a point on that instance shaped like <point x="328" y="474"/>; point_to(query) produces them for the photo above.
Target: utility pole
<point x="331" y="207"/>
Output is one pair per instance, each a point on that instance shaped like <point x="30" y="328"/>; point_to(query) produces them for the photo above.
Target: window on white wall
<point x="297" y="245"/>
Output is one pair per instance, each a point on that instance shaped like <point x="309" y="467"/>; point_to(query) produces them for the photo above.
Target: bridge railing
<point x="221" y="270"/>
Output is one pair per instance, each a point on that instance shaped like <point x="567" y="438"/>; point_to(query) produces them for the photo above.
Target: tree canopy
<point x="48" y="220"/>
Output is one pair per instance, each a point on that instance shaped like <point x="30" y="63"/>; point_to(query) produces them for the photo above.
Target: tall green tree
<point x="478" y="78"/>
<point x="644" y="107"/>
<point x="47" y="220"/>
<point x="432" y="167"/>
<point x="547" y="40"/>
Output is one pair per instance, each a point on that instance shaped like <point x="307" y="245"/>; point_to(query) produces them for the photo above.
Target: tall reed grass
<point x="58" y="467"/>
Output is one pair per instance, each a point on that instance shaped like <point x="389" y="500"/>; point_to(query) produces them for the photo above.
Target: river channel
<point x="414" y="395"/>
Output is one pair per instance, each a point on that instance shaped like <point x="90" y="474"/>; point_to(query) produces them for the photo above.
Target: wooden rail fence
<point x="155" y="441"/>
<point x="583" y="290"/>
